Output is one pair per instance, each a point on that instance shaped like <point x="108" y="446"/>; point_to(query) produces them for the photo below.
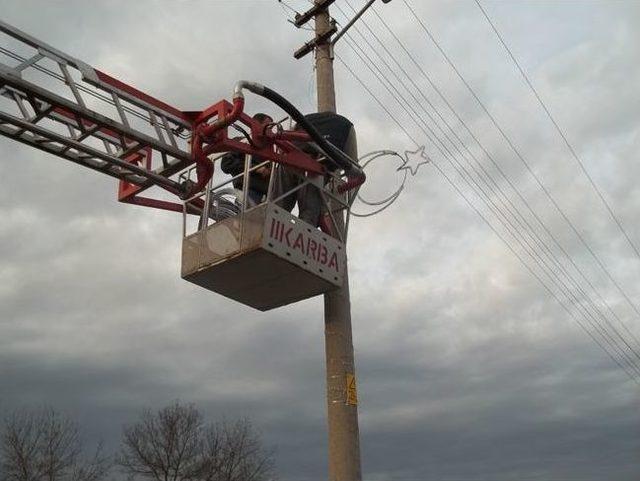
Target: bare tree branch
<point x="164" y="446"/>
<point x="174" y="444"/>
<point x="244" y="458"/>
<point x="95" y="469"/>
<point x="45" y="446"/>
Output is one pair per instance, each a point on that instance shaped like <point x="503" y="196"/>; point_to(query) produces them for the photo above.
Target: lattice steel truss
<point x="63" y="106"/>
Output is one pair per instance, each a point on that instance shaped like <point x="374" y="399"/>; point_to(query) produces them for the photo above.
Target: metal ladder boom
<point x="59" y="104"/>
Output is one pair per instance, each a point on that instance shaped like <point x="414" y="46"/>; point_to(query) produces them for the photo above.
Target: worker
<point x="340" y="132"/>
<point x="233" y="164"/>
<point x="308" y="197"/>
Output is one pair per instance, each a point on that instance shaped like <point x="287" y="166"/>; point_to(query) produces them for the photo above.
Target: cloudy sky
<point x="468" y="369"/>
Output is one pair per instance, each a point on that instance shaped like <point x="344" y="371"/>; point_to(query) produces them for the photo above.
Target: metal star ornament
<point x="413" y="159"/>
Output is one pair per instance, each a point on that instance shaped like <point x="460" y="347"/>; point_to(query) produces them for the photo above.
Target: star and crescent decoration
<point x="410" y="163"/>
<point x="414" y="159"/>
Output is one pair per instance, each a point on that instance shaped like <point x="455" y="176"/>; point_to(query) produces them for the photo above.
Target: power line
<point x="593" y="254"/>
<point x="521" y="157"/>
<point x="504" y="176"/>
<point x="495" y="231"/>
<point x="573" y="152"/>
<point x="607" y="336"/>
<point x="500" y="236"/>
<point x="605" y="333"/>
<point x="518" y="193"/>
<point x="493" y="207"/>
<point x="285" y="6"/>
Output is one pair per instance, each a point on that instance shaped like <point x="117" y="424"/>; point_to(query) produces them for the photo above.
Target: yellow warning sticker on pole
<point x="352" y="393"/>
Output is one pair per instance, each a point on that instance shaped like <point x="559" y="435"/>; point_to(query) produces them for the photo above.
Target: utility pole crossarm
<point x="312" y="44"/>
<point x="320" y="6"/>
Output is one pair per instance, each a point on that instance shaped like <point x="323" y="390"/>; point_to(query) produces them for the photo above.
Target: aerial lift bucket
<point x="264" y="258"/>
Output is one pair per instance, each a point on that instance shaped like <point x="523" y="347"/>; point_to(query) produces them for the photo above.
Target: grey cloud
<point x="467" y="370"/>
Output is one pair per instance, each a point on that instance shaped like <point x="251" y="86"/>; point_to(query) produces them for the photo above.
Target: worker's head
<point x="263" y="118"/>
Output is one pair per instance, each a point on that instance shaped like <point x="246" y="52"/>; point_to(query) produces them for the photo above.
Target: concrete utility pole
<point x="342" y="409"/>
<point x="342" y="399"/>
<point x="344" y="436"/>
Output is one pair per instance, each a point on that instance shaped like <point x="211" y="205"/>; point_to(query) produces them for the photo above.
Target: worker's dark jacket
<point x="333" y="127"/>
<point x="233" y="164"/>
<point x="337" y="130"/>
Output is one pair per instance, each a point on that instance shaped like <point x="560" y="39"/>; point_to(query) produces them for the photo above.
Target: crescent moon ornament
<point x="379" y="205"/>
<point x="411" y="161"/>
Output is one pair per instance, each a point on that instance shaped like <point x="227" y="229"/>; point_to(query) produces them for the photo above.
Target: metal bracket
<point x="312" y="44"/>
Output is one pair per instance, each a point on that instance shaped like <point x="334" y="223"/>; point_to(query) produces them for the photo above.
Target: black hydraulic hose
<point x="334" y="154"/>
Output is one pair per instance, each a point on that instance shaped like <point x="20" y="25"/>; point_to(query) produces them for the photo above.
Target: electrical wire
<point x="511" y="207"/>
<point x="605" y="333"/>
<point x="286" y="6"/>
<point x="449" y="180"/>
<point x="572" y="150"/>
<point x="519" y="155"/>
<point x="499" y="235"/>
<point x="504" y="176"/>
